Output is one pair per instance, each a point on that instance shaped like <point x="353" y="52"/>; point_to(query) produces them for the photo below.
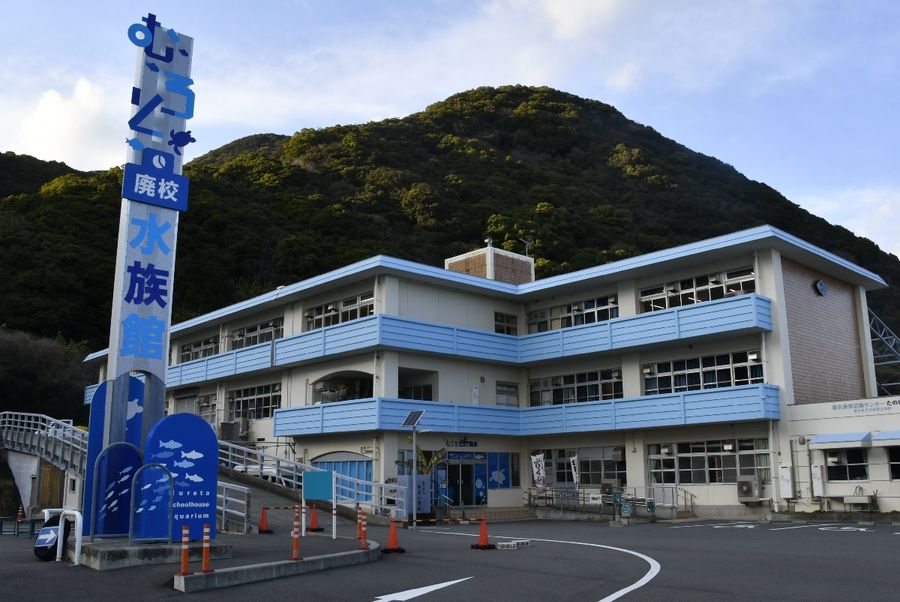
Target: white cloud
<point x="77" y="127"/>
<point x="868" y="212"/>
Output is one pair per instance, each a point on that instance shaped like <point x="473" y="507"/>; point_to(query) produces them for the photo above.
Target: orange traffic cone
<point x="21" y="515"/>
<point x="314" y="521"/>
<point x="483" y="543"/>
<point x="392" y="545"/>
<point x="264" y="523"/>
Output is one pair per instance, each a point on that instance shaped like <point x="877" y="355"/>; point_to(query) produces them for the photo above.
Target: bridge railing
<point x="55" y="441"/>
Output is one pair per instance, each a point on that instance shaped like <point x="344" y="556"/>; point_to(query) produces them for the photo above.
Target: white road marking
<point x="707" y="525"/>
<point x="419" y="591"/>
<point x="802" y="527"/>
<point x="648" y="576"/>
<point x="847" y="529"/>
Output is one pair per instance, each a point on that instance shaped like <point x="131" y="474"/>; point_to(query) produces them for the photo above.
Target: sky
<point x="802" y="95"/>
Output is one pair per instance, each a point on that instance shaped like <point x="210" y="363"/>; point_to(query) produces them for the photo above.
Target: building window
<point x="254" y="402"/>
<point x="589" y="311"/>
<point x="341" y="310"/>
<point x="421" y="392"/>
<point x="260" y="332"/>
<point x="698" y="289"/>
<point x="506" y="323"/>
<point x="707" y="372"/>
<point x="702" y="462"/>
<point x="847" y="464"/>
<point x="576" y="388"/>
<point x="206" y="408"/>
<point x="196" y="350"/>
<point x="596" y="465"/>
<point x="894" y="460"/>
<point x="507" y="394"/>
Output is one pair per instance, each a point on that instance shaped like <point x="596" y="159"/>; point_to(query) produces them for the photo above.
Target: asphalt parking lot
<point x="703" y="560"/>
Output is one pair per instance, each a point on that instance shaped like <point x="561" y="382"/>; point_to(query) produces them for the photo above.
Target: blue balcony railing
<point x="737" y="315"/>
<point x="709" y="406"/>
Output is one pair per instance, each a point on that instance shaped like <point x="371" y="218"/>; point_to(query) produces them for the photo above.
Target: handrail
<point x="65" y="446"/>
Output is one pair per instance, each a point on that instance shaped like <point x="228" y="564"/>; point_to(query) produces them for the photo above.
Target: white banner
<point x="537" y="470"/>
<point x="576" y="478"/>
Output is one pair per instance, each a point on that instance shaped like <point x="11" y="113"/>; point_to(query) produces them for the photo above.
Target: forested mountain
<point x="21" y="173"/>
<point x="574" y="176"/>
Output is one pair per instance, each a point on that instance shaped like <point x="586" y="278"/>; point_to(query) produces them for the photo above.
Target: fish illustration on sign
<point x="135" y="144"/>
<point x="125" y="478"/>
<point x="170" y="444"/>
<point x="160" y="489"/>
<point x="110" y="494"/>
<point x="147" y="486"/>
<point x="164" y="455"/>
<point x="126" y="469"/>
<point x="183" y="484"/>
<point x="183" y="464"/>
<point x="163" y="480"/>
<point x="194" y="477"/>
<point x="157" y="499"/>
<point x="139" y="510"/>
<point x="151" y="508"/>
<point x="192" y="455"/>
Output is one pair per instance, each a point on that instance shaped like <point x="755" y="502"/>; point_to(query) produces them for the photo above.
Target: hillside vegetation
<point x="574" y="176"/>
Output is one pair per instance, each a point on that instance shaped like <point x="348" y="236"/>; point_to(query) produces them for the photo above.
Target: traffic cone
<point x="358" y="522"/>
<point x="392" y="545"/>
<point x="314" y="521"/>
<point x="264" y="523"/>
<point x="21" y="515"/>
<point x="483" y="543"/>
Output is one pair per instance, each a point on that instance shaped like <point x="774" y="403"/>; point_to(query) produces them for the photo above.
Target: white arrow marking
<point x="419" y="591"/>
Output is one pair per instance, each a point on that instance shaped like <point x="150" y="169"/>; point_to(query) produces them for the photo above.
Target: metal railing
<point x="233" y="508"/>
<point x="382" y="498"/>
<point x="587" y="499"/>
<point x="686" y="500"/>
<point x="254" y="462"/>
<point x="56" y="441"/>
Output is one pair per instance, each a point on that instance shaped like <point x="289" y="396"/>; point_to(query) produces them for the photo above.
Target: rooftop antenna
<point x="528" y="246"/>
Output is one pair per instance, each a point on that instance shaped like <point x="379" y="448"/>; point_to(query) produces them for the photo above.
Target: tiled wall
<point x="826" y="361"/>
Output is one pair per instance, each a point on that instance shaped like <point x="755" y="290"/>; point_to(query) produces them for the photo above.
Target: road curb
<point x="265" y="571"/>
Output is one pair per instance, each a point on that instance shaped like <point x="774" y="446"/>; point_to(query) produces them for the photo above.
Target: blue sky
<point x="802" y="95"/>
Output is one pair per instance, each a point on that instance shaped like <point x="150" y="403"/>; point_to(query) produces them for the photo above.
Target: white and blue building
<point x="736" y="372"/>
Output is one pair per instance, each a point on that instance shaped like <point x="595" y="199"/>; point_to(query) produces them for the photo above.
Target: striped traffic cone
<point x="21" y="515"/>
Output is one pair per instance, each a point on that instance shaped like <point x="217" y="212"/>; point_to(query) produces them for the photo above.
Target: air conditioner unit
<point x="608" y="485"/>
<point x="228" y="431"/>
<point x="747" y="489"/>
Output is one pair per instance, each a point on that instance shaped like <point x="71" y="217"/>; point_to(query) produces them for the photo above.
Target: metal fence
<point x="233" y="508"/>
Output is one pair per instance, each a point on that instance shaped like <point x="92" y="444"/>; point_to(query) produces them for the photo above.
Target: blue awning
<point x="841" y="440"/>
<point x="886" y="438"/>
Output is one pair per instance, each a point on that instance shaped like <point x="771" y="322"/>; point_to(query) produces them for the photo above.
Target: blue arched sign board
<point x="114" y="472"/>
<point x="152" y="493"/>
<point x="187" y="446"/>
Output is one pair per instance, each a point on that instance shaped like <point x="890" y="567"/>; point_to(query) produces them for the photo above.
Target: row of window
<point x="589" y="311"/>
<point x="342" y="310"/>
<point x="575" y="388"/>
<point x="708" y="287"/>
<point x="596" y="465"/>
<point x="701" y="462"/>
<point x="596" y="309"/>
<point x="706" y="372"/>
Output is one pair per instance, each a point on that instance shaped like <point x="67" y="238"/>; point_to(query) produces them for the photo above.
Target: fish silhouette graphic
<point x="192" y="455"/>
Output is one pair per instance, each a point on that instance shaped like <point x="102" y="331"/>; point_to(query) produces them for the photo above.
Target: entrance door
<point x="465" y="484"/>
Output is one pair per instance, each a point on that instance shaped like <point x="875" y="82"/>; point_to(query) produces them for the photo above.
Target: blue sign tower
<point x="153" y="191"/>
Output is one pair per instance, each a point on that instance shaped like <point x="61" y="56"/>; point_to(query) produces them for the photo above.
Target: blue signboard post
<point x="153" y="193"/>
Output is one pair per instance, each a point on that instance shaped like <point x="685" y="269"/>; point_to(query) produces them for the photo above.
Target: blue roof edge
<point x="386" y="262"/>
